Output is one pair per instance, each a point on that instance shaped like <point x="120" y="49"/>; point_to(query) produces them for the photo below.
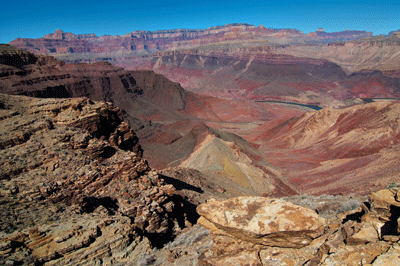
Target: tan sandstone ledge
<point x="261" y="220"/>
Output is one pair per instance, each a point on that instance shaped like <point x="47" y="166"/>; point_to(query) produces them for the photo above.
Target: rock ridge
<point x="74" y="188"/>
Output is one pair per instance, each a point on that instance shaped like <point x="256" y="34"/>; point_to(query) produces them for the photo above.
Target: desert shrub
<point x="393" y="185"/>
<point x="349" y="205"/>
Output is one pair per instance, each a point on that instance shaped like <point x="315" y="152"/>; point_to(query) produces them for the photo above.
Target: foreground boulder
<point x="265" y="231"/>
<point x="265" y="221"/>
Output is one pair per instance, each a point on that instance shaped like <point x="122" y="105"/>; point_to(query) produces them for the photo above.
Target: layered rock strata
<point x="74" y="188"/>
<point x="138" y="42"/>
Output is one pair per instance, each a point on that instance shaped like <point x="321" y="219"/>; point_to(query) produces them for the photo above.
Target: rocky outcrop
<point x="232" y="225"/>
<point x="75" y="188"/>
<point x="264" y="221"/>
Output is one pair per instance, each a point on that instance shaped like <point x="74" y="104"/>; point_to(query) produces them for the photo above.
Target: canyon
<point x="230" y="145"/>
<point x="333" y="74"/>
<point x="246" y="62"/>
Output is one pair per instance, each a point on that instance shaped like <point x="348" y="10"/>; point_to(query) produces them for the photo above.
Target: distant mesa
<point x="139" y="41"/>
<point x="61" y="35"/>
<point x="346" y="35"/>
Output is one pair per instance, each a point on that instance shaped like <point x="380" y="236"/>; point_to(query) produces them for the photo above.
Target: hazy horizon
<point x="34" y="20"/>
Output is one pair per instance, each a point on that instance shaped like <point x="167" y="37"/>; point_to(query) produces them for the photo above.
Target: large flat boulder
<point x="385" y="203"/>
<point x="261" y="220"/>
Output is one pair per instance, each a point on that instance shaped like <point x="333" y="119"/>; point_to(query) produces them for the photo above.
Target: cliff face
<point x="377" y="53"/>
<point x="61" y="42"/>
<point x="187" y="32"/>
<point x="46" y="77"/>
<point x="71" y="176"/>
<point x="340" y="36"/>
<point x="16" y="58"/>
<point x="64" y="43"/>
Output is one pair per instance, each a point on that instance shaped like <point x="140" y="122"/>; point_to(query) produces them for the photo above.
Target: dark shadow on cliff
<point x="89" y="204"/>
<point x="107" y="152"/>
<point x="391" y="227"/>
<point x="184" y="211"/>
<point x="49" y="92"/>
<point x="179" y="185"/>
<point x="187" y="208"/>
<point x="355" y="216"/>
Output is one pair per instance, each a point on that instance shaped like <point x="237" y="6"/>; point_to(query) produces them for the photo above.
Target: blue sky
<point x="34" y="19"/>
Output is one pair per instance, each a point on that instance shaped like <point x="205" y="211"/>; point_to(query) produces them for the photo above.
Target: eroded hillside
<point x="353" y="149"/>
